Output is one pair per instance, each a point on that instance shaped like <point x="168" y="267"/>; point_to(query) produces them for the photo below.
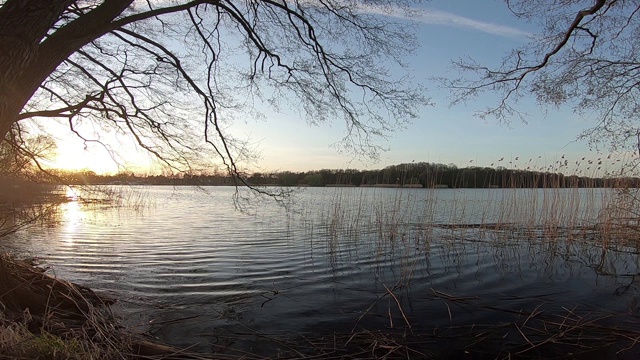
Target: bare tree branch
<point x="173" y="76"/>
<point x="586" y="57"/>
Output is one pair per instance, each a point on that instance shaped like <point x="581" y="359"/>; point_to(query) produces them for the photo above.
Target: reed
<point x="534" y="334"/>
<point x="399" y="228"/>
<point x="544" y="226"/>
<point x="609" y="216"/>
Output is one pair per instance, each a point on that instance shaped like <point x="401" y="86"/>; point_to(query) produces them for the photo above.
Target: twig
<point x="399" y="306"/>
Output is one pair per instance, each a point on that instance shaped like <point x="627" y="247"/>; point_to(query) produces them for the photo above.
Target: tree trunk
<point x="23" y="25"/>
<point x="30" y="50"/>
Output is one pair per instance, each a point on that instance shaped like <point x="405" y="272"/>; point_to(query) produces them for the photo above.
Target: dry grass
<point x="18" y="342"/>
<point x="43" y="317"/>
<point x="47" y="318"/>
<point x="553" y="223"/>
<point x="608" y="216"/>
<point x="545" y="332"/>
<point x="537" y="334"/>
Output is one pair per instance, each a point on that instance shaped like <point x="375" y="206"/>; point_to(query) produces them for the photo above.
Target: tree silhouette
<point x="586" y="56"/>
<point x="174" y="75"/>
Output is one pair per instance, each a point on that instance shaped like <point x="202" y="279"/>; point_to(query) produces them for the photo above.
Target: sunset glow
<point x="96" y="161"/>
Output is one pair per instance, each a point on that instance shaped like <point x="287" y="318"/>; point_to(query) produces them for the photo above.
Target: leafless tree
<point x="175" y="74"/>
<point x="586" y="57"/>
<point x="19" y="156"/>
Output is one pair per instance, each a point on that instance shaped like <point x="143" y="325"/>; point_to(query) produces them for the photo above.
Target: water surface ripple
<point x="189" y="265"/>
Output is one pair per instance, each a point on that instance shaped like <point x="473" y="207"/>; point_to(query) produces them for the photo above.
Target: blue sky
<point x="447" y="30"/>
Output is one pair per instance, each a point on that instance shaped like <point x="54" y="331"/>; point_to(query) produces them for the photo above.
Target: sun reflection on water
<point x="72" y="215"/>
<point x="71" y="193"/>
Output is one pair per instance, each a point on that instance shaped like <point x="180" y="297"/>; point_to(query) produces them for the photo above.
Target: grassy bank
<point x="42" y="317"/>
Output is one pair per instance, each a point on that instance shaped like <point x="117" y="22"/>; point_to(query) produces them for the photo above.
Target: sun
<point x="74" y="155"/>
<point x="101" y="165"/>
<point x="71" y="157"/>
<point x="108" y="154"/>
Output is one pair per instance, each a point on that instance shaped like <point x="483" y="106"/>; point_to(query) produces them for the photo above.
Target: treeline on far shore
<point x="418" y="175"/>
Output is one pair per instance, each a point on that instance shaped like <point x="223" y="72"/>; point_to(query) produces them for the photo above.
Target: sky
<point x="447" y="30"/>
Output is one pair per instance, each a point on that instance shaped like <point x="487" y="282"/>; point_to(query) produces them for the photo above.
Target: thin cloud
<point x="430" y="17"/>
<point x="437" y="17"/>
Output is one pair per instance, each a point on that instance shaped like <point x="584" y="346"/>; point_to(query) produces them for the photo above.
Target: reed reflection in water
<point x="189" y="268"/>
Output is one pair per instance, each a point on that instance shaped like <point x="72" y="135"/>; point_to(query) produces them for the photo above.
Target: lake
<point x="476" y="273"/>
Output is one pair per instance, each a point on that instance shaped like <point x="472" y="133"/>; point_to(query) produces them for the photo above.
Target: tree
<point x="174" y="74"/>
<point x="17" y="156"/>
<point x="586" y="57"/>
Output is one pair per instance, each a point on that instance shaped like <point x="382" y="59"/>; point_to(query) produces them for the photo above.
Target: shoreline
<point x="77" y="323"/>
<point x="46" y="317"/>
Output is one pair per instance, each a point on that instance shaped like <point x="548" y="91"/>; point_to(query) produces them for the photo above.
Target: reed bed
<point x="543" y="226"/>
<point x="402" y="229"/>
<point x="534" y="334"/>
<point x="608" y="216"/>
<point x="43" y="205"/>
<point x="543" y="331"/>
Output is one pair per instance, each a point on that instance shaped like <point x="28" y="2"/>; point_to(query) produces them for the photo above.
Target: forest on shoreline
<point x="416" y="175"/>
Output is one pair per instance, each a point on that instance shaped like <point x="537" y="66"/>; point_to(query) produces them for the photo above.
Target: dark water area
<point x="398" y="272"/>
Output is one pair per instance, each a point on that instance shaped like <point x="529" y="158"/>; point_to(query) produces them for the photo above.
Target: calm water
<point x="192" y="270"/>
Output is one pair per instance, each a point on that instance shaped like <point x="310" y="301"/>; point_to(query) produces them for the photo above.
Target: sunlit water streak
<point x="189" y="265"/>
